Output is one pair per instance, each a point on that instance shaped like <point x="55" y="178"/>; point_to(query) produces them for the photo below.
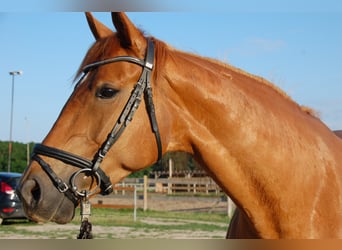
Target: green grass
<point x="172" y="220"/>
<point x="110" y="217"/>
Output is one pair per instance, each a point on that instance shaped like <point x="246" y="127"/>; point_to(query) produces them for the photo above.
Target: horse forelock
<point x="97" y="52"/>
<point x="101" y="50"/>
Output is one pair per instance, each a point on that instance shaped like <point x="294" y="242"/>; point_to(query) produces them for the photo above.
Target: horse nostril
<point x="36" y="192"/>
<point x="30" y="192"/>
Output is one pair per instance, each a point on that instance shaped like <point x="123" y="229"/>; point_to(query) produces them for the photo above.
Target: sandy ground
<point x="155" y="202"/>
<point x="100" y="232"/>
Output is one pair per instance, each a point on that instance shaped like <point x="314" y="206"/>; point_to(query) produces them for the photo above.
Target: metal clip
<point x="85" y="207"/>
<point x="86" y="227"/>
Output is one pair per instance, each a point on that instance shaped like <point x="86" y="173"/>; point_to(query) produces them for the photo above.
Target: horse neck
<point x="247" y="135"/>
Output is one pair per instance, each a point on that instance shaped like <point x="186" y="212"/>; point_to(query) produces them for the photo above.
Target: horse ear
<point x="130" y="36"/>
<point x="98" y="29"/>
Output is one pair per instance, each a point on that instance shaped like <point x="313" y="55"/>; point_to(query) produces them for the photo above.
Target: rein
<point x="93" y="167"/>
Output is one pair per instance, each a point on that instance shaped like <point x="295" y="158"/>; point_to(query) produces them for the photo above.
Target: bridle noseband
<point x="92" y="167"/>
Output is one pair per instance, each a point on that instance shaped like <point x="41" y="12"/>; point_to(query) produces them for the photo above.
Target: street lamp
<point x="13" y="74"/>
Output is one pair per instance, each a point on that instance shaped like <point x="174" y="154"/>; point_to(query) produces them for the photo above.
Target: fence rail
<point x="175" y="185"/>
<point x="144" y="185"/>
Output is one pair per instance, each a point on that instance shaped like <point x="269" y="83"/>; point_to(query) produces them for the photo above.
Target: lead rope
<point x="86" y="227"/>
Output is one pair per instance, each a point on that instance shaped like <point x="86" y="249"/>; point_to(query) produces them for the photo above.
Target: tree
<point x="182" y="161"/>
<point x="18" y="157"/>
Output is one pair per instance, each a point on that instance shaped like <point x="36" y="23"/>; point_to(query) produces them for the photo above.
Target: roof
<point x="10" y="174"/>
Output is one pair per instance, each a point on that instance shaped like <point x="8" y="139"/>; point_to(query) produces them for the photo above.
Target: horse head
<point x="115" y="77"/>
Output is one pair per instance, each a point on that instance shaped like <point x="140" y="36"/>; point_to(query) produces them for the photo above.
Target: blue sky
<point x="299" y="51"/>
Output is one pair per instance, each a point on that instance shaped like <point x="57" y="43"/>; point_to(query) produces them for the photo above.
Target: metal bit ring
<point x="82" y="193"/>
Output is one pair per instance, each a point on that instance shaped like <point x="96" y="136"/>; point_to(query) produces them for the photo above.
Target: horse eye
<point x="106" y="92"/>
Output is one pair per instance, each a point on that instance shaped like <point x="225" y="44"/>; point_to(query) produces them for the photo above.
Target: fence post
<point x="145" y="192"/>
<point x="230" y="207"/>
<point x="123" y="192"/>
<point x="135" y="204"/>
<point x="169" y="185"/>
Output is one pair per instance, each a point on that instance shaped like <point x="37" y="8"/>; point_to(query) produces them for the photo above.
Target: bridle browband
<point x="92" y="167"/>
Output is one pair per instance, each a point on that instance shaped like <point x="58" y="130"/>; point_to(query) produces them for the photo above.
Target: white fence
<point x="192" y="185"/>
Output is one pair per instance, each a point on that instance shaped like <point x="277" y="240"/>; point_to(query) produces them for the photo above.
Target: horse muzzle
<point x="42" y="202"/>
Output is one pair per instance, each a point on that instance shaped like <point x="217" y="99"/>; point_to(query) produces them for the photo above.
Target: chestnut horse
<point x="279" y="163"/>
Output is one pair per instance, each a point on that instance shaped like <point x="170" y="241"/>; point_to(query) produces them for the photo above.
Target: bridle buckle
<point x="62" y="187"/>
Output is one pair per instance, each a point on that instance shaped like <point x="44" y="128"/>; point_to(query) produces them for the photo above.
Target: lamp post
<point x="13" y="74"/>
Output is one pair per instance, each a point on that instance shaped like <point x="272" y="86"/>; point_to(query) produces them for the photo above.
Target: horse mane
<point x="262" y="80"/>
<point x="223" y="68"/>
<point x="98" y="51"/>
